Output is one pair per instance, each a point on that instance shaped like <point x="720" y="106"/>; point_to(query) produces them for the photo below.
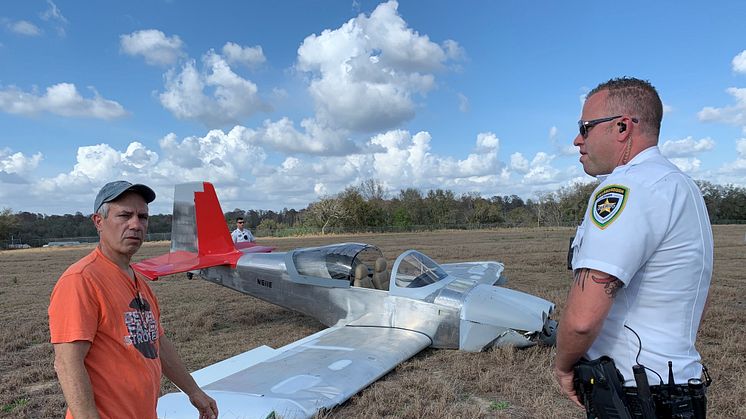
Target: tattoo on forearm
<point x="580" y="277"/>
<point x="611" y="283"/>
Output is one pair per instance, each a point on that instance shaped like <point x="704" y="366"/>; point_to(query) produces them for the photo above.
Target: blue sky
<point x="281" y="103"/>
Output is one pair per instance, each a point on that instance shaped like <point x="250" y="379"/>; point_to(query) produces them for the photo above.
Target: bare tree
<point x="372" y="190"/>
<point x="548" y="210"/>
<point x="326" y="211"/>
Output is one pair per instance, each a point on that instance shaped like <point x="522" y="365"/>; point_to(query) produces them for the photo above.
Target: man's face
<point x="123" y="230"/>
<point x="598" y="150"/>
<point x="239" y="224"/>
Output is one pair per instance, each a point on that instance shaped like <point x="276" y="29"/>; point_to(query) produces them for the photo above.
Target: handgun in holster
<point x="598" y="384"/>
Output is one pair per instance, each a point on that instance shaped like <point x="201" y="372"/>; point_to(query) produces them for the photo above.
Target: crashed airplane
<point x="376" y="317"/>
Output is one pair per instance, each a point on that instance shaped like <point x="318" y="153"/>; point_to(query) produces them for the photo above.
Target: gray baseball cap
<point x="112" y="190"/>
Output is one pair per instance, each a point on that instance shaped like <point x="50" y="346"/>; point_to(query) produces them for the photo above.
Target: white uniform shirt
<point x="647" y="225"/>
<point x="242" y="236"/>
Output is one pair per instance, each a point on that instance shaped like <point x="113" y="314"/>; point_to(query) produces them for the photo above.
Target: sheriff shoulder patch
<point x="608" y="203"/>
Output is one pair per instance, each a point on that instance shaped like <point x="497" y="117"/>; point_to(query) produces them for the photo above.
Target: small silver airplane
<point x="376" y="317"/>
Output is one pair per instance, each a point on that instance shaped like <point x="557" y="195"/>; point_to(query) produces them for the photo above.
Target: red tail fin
<point x="212" y="233"/>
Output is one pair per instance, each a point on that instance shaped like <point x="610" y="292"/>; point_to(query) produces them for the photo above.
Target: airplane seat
<point x="381" y="275"/>
<point x="362" y="277"/>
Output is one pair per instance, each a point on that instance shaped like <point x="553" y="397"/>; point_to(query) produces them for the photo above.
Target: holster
<point x="598" y="384"/>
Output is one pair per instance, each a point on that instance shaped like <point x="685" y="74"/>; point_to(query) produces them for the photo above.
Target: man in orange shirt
<point x="104" y="321"/>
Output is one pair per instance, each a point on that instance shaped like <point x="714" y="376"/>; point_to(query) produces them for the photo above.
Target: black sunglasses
<point x="585" y="126"/>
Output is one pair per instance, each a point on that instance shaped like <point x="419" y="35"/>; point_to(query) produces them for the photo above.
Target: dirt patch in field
<point x="209" y="323"/>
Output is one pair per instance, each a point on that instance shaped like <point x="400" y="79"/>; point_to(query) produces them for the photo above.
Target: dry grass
<point x="209" y="323"/>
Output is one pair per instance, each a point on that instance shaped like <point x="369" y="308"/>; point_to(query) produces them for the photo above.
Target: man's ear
<point x="97" y="220"/>
<point x="625" y="128"/>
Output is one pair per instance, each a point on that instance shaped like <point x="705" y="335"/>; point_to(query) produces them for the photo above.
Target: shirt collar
<point x="644" y="155"/>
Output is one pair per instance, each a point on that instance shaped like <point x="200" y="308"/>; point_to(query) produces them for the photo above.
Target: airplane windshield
<point x="417" y="270"/>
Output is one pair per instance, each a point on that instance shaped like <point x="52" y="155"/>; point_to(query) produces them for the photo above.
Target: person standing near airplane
<point x="241" y="234"/>
<point x="641" y="260"/>
<point x="104" y="321"/>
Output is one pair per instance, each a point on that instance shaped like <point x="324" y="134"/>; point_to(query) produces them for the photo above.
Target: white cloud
<point x="154" y="46"/>
<point x="741" y="148"/>
<point x="282" y="136"/>
<point x="60" y="99"/>
<point x="406" y="160"/>
<point x="251" y="168"/>
<point x="366" y="72"/>
<point x="519" y="163"/>
<point x="736" y="167"/>
<point x="687" y="164"/>
<point x="561" y="146"/>
<point x="216" y="97"/>
<point x="541" y="171"/>
<point x="250" y="57"/>
<point x="54" y="15"/>
<point x="686" y="147"/>
<point x="18" y="162"/>
<point x="735" y="114"/>
<point x="224" y="157"/>
<point x="487" y="141"/>
<point x="24" y="27"/>
<point x="463" y="103"/>
<point x="739" y="62"/>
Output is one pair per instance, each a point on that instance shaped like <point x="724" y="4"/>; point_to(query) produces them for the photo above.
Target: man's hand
<point x="588" y="303"/>
<point x="207" y="407"/>
<point x="565" y="381"/>
<point x="174" y="369"/>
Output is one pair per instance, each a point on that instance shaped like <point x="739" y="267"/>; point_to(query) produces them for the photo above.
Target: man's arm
<point x="174" y="369"/>
<point x="74" y="379"/>
<point x="588" y="303"/>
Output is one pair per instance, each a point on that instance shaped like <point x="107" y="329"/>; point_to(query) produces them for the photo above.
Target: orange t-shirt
<point x="95" y="301"/>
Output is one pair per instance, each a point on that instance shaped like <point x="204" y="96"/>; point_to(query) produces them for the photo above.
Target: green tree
<point x="8" y="223"/>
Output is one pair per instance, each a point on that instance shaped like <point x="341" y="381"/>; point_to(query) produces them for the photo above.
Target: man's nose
<point x="578" y="140"/>
<point x="136" y="223"/>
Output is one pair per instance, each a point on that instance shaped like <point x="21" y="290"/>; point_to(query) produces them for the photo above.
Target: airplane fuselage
<point x="265" y="276"/>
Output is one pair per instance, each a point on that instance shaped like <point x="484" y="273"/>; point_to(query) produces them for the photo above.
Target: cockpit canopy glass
<point x="417" y="270"/>
<point x="337" y="261"/>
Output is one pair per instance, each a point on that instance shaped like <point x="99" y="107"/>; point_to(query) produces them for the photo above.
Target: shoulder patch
<point x="608" y="203"/>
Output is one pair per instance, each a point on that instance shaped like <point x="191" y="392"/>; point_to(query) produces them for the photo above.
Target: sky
<point x="282" y="103"/>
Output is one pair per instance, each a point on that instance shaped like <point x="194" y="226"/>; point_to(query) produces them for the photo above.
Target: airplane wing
<point x="297" y="380"/>
<point x="489" y="273"/>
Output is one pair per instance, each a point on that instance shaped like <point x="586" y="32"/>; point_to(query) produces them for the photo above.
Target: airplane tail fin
<point x="199" y="235"/>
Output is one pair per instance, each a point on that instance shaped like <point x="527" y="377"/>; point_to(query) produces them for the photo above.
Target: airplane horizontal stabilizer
<point x="183" y="261"/>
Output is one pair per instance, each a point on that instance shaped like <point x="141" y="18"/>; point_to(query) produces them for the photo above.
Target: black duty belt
<point x="675" y="402"/>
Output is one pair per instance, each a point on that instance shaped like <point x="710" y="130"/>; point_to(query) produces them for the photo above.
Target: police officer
<point x="642" y="257"/>
<point x="241" y="234"/>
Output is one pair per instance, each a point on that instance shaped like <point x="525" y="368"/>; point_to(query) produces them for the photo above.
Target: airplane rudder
<point x="213" y="235"/>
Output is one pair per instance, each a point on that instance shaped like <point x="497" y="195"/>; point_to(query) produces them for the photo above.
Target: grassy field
<point x="209" y="323"/>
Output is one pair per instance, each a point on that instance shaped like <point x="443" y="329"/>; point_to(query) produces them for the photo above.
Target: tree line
<point x="367" y="207"/>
